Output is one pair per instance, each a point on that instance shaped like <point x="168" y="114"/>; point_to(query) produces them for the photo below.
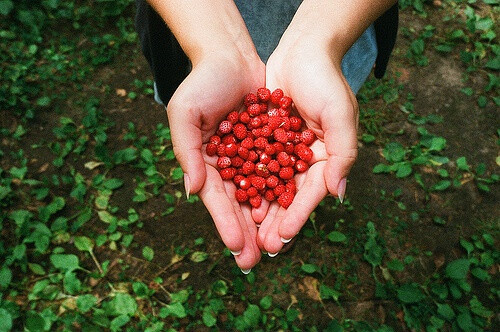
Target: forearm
<point x="206" y="27"/>
<point x="334" y="24"/>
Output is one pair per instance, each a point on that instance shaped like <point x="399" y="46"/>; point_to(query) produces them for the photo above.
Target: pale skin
<point x="306" y="65"/>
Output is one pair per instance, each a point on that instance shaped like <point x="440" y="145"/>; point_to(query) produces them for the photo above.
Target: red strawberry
<point x="308" y="137"/>
<point x="211" y="149"/>
<point x="285" y="102"/>
<point x="301" y="166"/>
<point x="225" y="127"/>
<point x="260" y="143"/>
<point x="255" y="201"/>
<point x="240" y="131"/>
<point x="295" y="123"/>
<point x="264" y="94"/>
<point x="258" y="182"/>
<point x="265" y="158"/>
<point x="285" y="199"/>
<point x="283" y="159"/>
<point x="266" y="131"/>
<point x="243" y="152"/>
<point x="228" y="173"/>
<point x="244" y="117"/>
<point x="237" y="179"/>
<point x="223" y="162"/>
<point x="233" y="117"/>
<point x="280" y="189"/>
<point x="261" y="170"/>
<point x="247" y="143"/>
<point x="237" y="161"/>
<point x="248" y="167"/>
<point x="231" y="150"/>
<point x="273" y="112"/>
<point x="241" y="195"/>
<point x="245" y="184"/>
<point x="272" y="181"/>
<point x="250" y="98"/>
<point x="252" y="156"/>
<point x="291" y="187"/>
<point x="269" y="195"/>
<point x="215" y="139"/>
<point x="286" y="173"/>
<point x="303" y="152"/>
<point x="254" y="110"/>
<point x="273" y="166"/>
<point x="221" y="150"/>
<point x="252" y="191"/>
<point x="280" y="135"/>
<point x="276" y="96"/>
<point x="255" y="122"/>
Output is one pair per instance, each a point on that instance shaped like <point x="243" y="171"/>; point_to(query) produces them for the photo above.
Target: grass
<point x="97" y="234"/>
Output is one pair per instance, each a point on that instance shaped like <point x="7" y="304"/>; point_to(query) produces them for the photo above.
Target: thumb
<point x="187" y="144"/>
<point x="340" y="136"/>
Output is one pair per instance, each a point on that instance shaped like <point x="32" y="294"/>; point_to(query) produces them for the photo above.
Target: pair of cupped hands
<point x="312" y="77"/>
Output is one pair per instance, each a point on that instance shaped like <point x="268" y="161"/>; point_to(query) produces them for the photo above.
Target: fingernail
<point x="341" y="189"/>
<point x="246" y="271"/>
<point x="235" y="253"/>
<point x="187" y="185"/>
<point x="286" y="240"/>
<point x="272" y="255"/>
<point x="263" y="252"/>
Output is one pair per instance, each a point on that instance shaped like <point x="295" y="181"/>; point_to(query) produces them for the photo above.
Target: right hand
<point x="214" y="88"/>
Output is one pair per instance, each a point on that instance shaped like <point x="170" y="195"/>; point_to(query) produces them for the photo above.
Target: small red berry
<point x="245" y="184"/>
<point x="272" y="181"/>
<point x="276" y="96"/>
<point x="308" y="137"/>
<point x="291" y="187"/>
<point x="241" y="195"/>
<point x="247" y="143"/>
<point x="211" y="149"/>
<point x="250" y="98"/>
<point x="221" y="150"/>
<point x="301" y="166"/>
<point x="224" y="162"/>
<point x="244" y="117"/>
<point x="248" y="167"/>
<point x="284" y="112"/>
<point x="237" y="179"/>
<point x="225" y="127"/>
<point x="280" y="135"/>
<point x="264" y="94"/>
<point x="231" y="150"/>
<point x="303" y="152"/>
<point x="285" y="102"/>
<point x="295" y="123"/>
<point x="273" y="166"/>
<point x="283" y="159"/>
<point x="261" y="170"/>
<point x="255" y="201"/>
<point x="228" y="139"/>
<point x="254" y="110"/>
<point x="289" y="147"/>
<point x="252" y="191"/>
<point x="285" y="199"/>
<point x="233" y="117"/>
<point x="286" y="173"/>
<point x="240" y="131"/>
<point x="243" y="152"/>
<point x="266" y="131"/>
<point x="280" y="189"/>
<point x="265" y="158"/>
<point x="228" y="173"/>
<point x="260" y="143"/>
<point x="269" y="195"/>
<point x="252" y="156"/>
<point x="258" y="182"/>
<point x="273" y="112"/>
<point x="237" y="161"/>
<point x="215" y="139"/>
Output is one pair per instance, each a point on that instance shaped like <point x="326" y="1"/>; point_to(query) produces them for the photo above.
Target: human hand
<point x="309" y="73"/>
<point x="214" y="88"/>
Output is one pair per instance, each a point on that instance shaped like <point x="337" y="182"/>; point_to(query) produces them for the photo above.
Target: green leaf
<point x="6" y="7"/>
<point x="395" y="265"/>
<point x="464" y="321"/>
<point x="175" y="309"/>
<point x="381" y="168"/>
<point x="336" y="237"/>
<point x="410" y="293"/>
<point x="252" y="315"/>
<point x="113" y="183"/>
<point x="394" y="152"/>
<point x="437" y="144"/>
<point x="477" y="308"/>
<point x="122" y="304"/>
<point x="5" y="276"/>
<point x="441" y="185"/>
<point x="326" y="293"/>
<point x="34" y="322"/>
<point x="118" y="322"/>
<point x="177" y="173"/>
<point x="64" y="262"/>
<point x="467" y="91"/>
<point x="469" y="247"/>
<point x="404" y="169"/>
<point x="208" y="317"/>
<point x="148" y="253"/>
<point x="198" y="256"/>
<point x="36" y="269"/>
<point x="458" y="269"/>
<point x="43" y="101"/>
<point x="493" y="63"/>
<point x="5" y="320"/>
<point x="71" y="283"/>
<point x="309" y="268"/>
<point x="83" y="243"/>
<point x="86" y="302"/>
<point x="181" y="296"/>
<point x="106" y="217"/>
<point x="445" y="311"/>
<point x="462" y="164"/>
<point x="266" y="302"/>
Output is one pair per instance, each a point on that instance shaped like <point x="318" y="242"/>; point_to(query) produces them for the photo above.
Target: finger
<point x="308" y="197"/>
<point x="266" y="224"/>
<point x="249" y="255"/>
<point x="215" y="198"/>
<point x="272" y="241"/>
<point x="340" y="127"/>
<point x="258" y="214"/>
<point x="187" y="144"/>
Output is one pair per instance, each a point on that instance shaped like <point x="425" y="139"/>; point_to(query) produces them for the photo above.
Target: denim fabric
<point x="266" y="21"/>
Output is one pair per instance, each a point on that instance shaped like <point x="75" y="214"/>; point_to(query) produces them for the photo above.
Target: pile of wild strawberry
<point x="262" y="147"/>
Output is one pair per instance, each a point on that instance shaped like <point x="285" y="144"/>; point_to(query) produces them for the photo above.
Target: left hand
<point x="307" y="72"/>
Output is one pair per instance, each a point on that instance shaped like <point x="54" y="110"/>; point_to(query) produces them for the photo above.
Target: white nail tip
<point x="286" y="240"/>
<point x="235" y="253"/>
<point x="272" y="255"/>
<point x="246" y="271"/>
